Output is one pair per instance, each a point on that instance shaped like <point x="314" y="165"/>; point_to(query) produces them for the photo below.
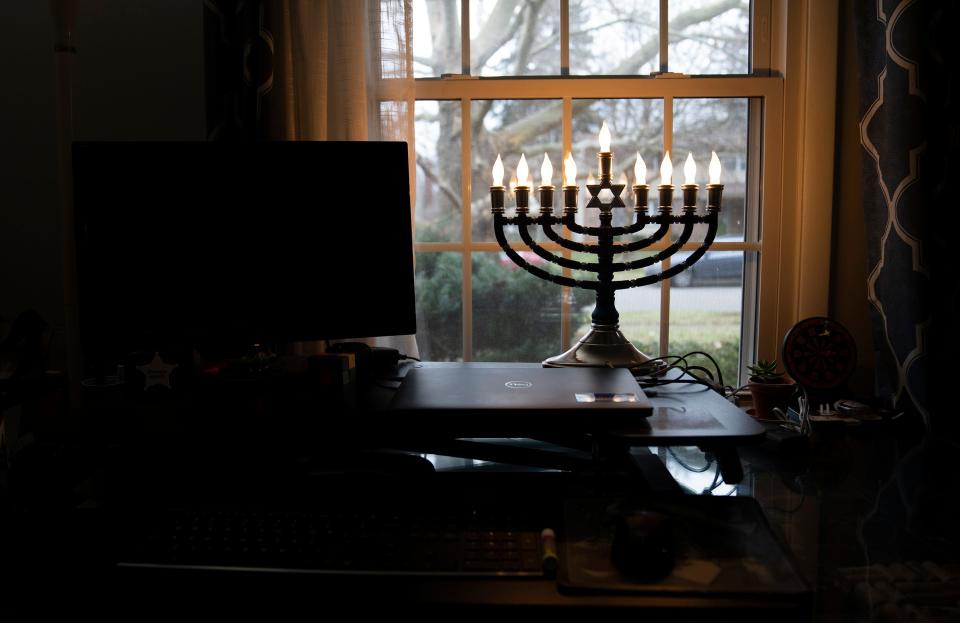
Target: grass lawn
<point x="717" y="333"/>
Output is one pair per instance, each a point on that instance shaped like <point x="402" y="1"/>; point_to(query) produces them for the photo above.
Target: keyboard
<point x="398" y="540"/>
<point x="904" y="591"/>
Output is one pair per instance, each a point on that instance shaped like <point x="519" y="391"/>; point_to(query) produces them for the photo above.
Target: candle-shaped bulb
<point x="513" y="183"/>
<point x="546" y="171"/>
<point x="714" y="168"/>
<point x="498" y="172"/>
<point x="666" y="170"/>
<point x="523" y="172"/>
<point x="569" y="171"/>
<point x="604" y="138"/>
<point x="640" y="170"/>
<point x="689" y="170"/>
<point x="590" y="180"/>
<point x="623" y="179"/>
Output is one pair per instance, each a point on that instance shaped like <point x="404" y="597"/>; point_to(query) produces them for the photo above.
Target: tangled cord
<point x="653" y="373"/>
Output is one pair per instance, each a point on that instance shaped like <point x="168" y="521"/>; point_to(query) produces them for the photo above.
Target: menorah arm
<point x="570" y="221"/>
<point x="595" y="248"/>
<point x="498" y="223"/>
<point x="524" y="218"/>
<point x="574" y="246"/>
<point x="677" y="268"/>
<point x="643" y="262"/>
<point x="559" y="260"/>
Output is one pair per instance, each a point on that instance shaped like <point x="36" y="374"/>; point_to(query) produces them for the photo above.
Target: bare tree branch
<point x="499" y="28"/>
<point x="444" y="25"/>
<point x="429" y="172"/>
<point x="521" y="131"/>
<point x="529" y="36"/>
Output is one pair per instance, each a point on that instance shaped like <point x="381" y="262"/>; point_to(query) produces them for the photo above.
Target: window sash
<point x="765" y="136"/>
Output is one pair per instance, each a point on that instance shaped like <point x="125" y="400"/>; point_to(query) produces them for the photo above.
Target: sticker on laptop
<point x="606" y="397"/>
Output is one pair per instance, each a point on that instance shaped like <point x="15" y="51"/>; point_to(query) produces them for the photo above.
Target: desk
<point x="89" y="551"/>
<point x="838" y="504"/>
<point x="72" y="564"/>
<point x="684" y="415"/>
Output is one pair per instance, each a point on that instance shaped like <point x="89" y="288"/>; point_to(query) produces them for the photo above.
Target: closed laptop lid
<point x="518" y="398"/>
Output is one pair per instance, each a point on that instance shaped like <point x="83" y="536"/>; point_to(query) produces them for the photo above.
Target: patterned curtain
<point x="910" y="133"/>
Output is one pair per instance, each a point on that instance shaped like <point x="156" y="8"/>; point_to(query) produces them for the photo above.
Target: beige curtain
<point x="343" y="70"/>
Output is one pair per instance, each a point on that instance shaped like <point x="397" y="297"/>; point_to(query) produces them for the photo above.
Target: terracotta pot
<point x="767" y="396"/>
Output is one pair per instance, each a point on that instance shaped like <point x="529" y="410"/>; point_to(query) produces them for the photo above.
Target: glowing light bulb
<point x="714" y="168"/>
<point x="546" y="171"/>
<point x="622" y="179"/>
<point x="666" y="170"/>
<point x="640" y="170"/>
<point x="498" y="172"/>
<point x="523" y="172"/>
<point x="569" y="171"/>
<point x="605" y="138"/>
<point x="689" y="170"/>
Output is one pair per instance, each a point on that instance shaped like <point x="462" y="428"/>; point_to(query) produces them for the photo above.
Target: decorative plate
<point x="819" y="353"/>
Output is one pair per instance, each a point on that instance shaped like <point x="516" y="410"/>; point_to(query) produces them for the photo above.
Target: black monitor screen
<point x="187" y="244"/>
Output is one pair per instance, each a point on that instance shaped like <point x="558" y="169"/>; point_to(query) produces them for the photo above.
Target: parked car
<point x="713" y="269"/>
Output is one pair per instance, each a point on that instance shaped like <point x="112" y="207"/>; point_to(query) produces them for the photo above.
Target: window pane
<point x="609" y="38"/>
<point x="709" y="37"/>
<point x="636" y="126"/>
<point x="511" y="128"/>
<point x="439" y="284"/>
<point x="706" y="305"/>
<point x="436" y="38"/>
<point x="640" y="317"/>
<point x="704" y="125"/>
<point x="639" y="307"/>
<point x="438" y="216"/>
<point x="516" y="316"/>
<point x="514" y="37"/>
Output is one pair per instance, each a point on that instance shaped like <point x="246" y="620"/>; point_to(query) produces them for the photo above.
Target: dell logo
<point x="518" y="384"/>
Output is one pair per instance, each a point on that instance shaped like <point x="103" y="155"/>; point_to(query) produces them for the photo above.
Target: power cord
<point x="653" y="372"/>
<point x="688" y="467"/>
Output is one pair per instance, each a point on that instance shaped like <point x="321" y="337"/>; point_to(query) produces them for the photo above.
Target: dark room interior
<point x="324" y="304"/>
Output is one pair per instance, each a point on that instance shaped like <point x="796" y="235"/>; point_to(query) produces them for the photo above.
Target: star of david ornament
<point x="614" y="200"/>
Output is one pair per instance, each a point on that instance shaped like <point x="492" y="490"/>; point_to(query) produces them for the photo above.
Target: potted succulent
<point x="769" y="388"/>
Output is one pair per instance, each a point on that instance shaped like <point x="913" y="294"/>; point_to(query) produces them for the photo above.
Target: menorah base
<point x="604" y="346"/>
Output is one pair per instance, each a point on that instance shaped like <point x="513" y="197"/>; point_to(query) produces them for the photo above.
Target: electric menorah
<point x="604" y="345"/>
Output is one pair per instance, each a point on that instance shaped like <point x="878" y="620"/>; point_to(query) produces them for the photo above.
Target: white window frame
<point x="794" y="159"/>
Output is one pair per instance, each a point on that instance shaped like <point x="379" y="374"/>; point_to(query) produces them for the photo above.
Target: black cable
<point x="716" y="481"/>
<point x="680" y="362"/>
<point x="700" y="369"/>
<point x="689" y="468"/>
<point x="649" y="384"/>
<point x="405" y="356"/>
<point x="716" y="366"/>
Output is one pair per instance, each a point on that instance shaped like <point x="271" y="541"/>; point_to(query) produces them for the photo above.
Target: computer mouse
<point x="643" y="546"/>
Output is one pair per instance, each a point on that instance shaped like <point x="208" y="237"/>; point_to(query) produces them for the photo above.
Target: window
<point x="512" y="76"/>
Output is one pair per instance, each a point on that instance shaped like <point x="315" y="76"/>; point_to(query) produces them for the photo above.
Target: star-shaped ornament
<point x="157" y="372"/>
<point x="614" y="202"/>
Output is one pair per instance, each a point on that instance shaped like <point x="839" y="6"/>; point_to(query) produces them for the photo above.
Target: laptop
<point x="503" y="399"/>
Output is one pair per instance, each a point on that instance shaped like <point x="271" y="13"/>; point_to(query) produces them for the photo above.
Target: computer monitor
<point x="206" y="245"/>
